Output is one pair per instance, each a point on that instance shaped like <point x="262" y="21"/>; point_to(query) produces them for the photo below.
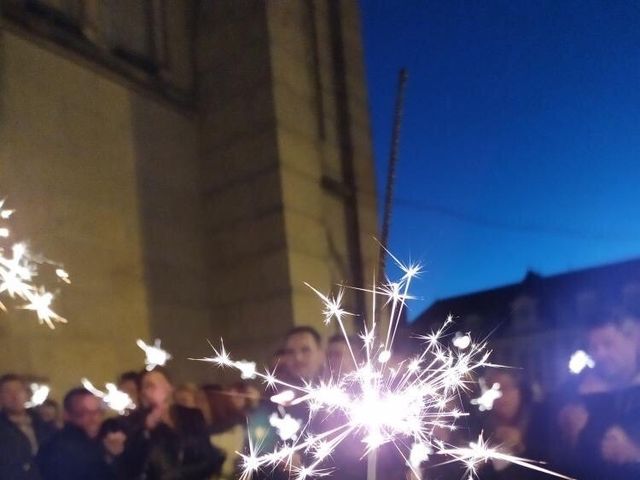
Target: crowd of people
<point x="589" y="429"/>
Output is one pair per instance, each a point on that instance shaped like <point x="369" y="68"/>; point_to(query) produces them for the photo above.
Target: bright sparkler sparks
<point x="487" y="395"/>
<point x="286" y="426"/>
<point x="381" y="400"/>
<point x="479" y="452"/>
<point x="39" y="394"/>
<point x="155" y="356"/>
<point x="17" y="272"/>
<point x="579" y="361"/>
<point x="115" y="399"/>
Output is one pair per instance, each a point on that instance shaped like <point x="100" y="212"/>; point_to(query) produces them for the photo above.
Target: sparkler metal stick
<point x="391" y="172"/>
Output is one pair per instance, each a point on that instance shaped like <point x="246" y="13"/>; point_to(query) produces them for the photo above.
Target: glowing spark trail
<point x="17" y="271"/>
<point x="155" y="356"/>
<point x="461" y="341"/>
<point x="579" y="361"/>
<point x="115" y="399"/>
<point x="382" y="400"/>
<point x="287" y="426"/>
<point x="487" y="395"/>
<point x="39" y="394"/>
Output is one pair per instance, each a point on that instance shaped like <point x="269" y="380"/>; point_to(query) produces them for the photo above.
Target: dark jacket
<point x="166" y="453"/>
<point x="16" y="459"/>
<point x="72" y="455"/>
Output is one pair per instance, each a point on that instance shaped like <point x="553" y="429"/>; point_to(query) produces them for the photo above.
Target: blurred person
<point x="166" y="440"/>
<point x="339" y="359"/>
<point x="304" y="356"/>
<point x="49" y="413"/>
<point x="22" y="432"/>
<point x="602" y="418"/>
<point x="78" y="452"/>
<point x="192" y="396"/>
<point x="304" y="362"/>
<point x="511" y="425"/>
<point x="185" y="395"/>
<point x="129" y="383"/>
<point x="230" y="407"/>
<point x="278" y="360"/>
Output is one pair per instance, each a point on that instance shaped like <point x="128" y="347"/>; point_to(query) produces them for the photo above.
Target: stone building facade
<point x="192" y="163"/>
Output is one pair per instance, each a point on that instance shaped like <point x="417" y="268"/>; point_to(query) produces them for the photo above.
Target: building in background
<point x="191" y="163"/>
<point x="538" y="323"/>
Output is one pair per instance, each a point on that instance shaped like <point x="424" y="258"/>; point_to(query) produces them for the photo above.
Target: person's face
<point x="13" y="396"/>
<point x="304" y="357"/>
<point x="87" y="414"/>
<point x="338" y="358"/>
<point x="613" y="351"/>
<point x="507" y="406"/>
<point x="130" y="388"/>
<point x="156" y="389"/>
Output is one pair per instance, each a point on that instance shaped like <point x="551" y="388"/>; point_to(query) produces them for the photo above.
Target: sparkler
<point x="115" y="399"/>
<point x="382" y="400"/>
<point x="39" y="394"/>
<point x="17" y="272"/>
<point x="155" y="356"/>
<point x="579" y="361"/>
<point x="286" y="426"/>
<point x="487" y="395"/>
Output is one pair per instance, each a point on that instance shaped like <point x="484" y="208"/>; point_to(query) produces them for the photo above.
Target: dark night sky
<point x="521" y="140"/>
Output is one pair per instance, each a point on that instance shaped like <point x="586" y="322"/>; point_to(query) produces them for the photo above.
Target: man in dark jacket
<point x="21" y="431"/>
<point x="76" y="452"/>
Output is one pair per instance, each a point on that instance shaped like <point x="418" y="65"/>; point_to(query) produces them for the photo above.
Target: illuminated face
<point x="338" y="358"/>
<point x="614" y="352"/>
<point x="304" y="357"/>
<point x="13" y="396"/>
<point x="87" y="414"/>
<point x="156" y="389"/>
<point x="508" y="405"/>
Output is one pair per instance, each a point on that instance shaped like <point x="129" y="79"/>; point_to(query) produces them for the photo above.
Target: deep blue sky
<point x="521" y="139"/>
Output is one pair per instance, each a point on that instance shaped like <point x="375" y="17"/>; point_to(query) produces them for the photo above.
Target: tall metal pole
<point x="391" y="171"/>
<point x="372" y="457"/>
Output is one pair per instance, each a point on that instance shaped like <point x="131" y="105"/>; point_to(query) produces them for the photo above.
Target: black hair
<point x="129" y="376"/>
<point x="71" y="395"/>
<point x="302" y="330"/>
<point x="161" y="370"/>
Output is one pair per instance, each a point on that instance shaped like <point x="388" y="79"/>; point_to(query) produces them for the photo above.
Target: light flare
<point x="155" y="356"/>
<point x="579" y="361"/>
<point x="39" y="395"/>
<point x="487" y="395"/>
<point x="113" y="398"/>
